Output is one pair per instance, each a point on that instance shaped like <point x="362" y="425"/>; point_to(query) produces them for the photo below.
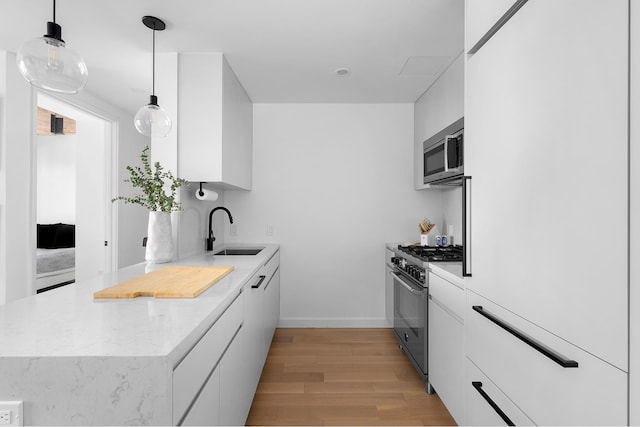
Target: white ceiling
<point x="281" y="50"/>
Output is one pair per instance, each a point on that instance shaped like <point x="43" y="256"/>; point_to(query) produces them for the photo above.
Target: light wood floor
<point x="342" y="377"/>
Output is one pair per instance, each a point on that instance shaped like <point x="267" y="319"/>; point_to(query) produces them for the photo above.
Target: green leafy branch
<point x="152" y="183"/>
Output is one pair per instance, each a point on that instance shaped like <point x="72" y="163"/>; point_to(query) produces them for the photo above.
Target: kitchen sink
<point x="239" y="251"/>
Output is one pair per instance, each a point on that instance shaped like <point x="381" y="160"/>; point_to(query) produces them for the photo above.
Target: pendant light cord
<point x="153" y="67"/>
<point x="54" y="11"/>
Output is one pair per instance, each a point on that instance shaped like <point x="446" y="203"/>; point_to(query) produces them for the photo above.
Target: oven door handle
<point x="406" y="285"/>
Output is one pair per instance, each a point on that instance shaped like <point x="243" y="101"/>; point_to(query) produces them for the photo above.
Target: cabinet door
<point x="546" y="144"/>
<point x="252" y="335"/>
<point x="446" y="358"/>
<point x="480" y="16"/>
<point x="236" y="383"/>
<point x="206" y="409"/>
<point x="271" y="310"/>
<point x="528" y="363"/>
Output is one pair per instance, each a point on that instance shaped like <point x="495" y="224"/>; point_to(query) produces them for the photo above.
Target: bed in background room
<point x="56" y="256"/>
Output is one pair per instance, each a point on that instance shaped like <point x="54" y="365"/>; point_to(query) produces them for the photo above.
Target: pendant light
<point x="151" y="119"/>
<point x="47" y="63"/>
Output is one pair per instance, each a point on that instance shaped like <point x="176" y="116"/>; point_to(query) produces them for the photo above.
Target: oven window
<point x="409" y="310"/>
<point x="434" y="160"/>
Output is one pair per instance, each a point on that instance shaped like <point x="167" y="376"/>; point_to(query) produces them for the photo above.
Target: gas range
<point x="427" y="254"/>
<point x="412" y="261"/>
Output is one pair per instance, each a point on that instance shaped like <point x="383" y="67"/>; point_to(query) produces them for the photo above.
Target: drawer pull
<point x="478" y="386"/>
<point x="257" y="285"/>
<point x="565" y="363"/>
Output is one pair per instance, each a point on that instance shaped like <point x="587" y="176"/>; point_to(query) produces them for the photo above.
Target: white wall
<point x="334" y="181"/>
<point x="56" y="179"/>
<point x="16" y="229"/>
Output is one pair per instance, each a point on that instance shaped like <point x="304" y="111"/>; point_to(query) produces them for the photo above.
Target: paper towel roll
<point x="207" y="195"/>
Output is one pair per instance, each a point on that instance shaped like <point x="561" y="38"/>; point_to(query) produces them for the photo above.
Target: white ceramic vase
<point x="159" y="238"/>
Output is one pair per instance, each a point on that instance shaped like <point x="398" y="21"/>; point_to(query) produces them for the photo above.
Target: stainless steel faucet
<point x="211" y="237"/>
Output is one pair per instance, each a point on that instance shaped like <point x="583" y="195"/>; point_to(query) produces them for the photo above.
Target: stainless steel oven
<point x="410" y="298"/>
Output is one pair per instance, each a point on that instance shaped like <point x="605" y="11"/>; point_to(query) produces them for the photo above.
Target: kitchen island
<point x="76" y="360"/>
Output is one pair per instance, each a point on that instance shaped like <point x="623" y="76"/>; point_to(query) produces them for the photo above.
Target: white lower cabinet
<point x="271" y="309"/>
<point x="252" y="335"/>
<point x="486" y="405"/>
<point x="237" y="385"/>
<point x="526" y="364"/>
<point x="206" y="408"/>
<point x="446" y="344"/>
<point x="190" y="374"/>
<point x="215" y="382"/>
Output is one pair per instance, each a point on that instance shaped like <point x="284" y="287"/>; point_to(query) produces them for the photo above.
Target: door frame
<point x="110" y="179"/>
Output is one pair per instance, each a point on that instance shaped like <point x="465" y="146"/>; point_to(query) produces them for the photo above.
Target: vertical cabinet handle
<point x="560" y="360"/>
<point x="466" y="226"/>
<point x="478" y="386"/>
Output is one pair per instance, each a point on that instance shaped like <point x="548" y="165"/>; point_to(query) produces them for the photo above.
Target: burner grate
<point x="434" y="253"/>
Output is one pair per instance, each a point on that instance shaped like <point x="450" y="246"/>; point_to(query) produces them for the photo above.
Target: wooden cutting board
<point x="168" y="282"/>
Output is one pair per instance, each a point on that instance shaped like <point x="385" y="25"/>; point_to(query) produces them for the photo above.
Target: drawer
<point x="447" y="295"/>
<point x="593" y="393"/>
<point x="486" y="405"/>
<point x="193" y="370"/>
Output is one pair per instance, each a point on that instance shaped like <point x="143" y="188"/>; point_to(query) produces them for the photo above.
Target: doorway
<point x="73" y="192"/>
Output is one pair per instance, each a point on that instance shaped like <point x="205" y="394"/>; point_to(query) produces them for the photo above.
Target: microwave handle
<point x="446" y="152"/>
<point x="466" y="226"/>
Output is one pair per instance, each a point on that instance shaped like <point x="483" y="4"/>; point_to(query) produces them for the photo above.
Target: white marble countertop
<point x="69" y="322"/>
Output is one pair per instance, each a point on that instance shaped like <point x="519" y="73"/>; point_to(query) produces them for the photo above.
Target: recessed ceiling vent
<point x="424" y="65"/>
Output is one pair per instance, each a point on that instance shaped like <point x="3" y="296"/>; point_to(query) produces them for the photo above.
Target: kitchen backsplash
<point x="194" y="222"/>
<point x="452" y="213"/>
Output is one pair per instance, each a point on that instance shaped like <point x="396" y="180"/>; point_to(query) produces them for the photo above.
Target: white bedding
<point x="53" y="260"/>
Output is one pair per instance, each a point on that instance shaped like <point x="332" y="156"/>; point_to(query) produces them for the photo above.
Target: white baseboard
<point x="334" y="323"/>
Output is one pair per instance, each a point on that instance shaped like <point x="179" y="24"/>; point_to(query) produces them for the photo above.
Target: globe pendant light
<point x="47" y="63"/>
<point x="151" y="119"/>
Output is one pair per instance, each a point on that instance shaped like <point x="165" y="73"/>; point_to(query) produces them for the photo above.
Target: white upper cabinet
<point x="215" y="122"/>
<point x="546" y="125"/>
<point x="441" y="105"/>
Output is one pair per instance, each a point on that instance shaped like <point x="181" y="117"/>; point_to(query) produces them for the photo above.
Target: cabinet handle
<point x="466" y="226"/>
<point x="560" y="360"/>
<point x="406" y="285"/>
<point x="257" y="285"/>
<point x="478" y="386"/>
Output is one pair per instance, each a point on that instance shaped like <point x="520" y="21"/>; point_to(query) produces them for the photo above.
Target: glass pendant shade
<point x="48" y="64"/>
<point x="152" y="120"/>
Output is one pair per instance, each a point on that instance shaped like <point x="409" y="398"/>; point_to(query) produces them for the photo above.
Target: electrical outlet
<point x="233" y="230"/>
<point x="269" y="230"/>
<point x="11" y="413"/>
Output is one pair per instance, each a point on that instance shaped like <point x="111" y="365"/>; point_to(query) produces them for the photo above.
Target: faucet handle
<point x="209" y="242"/>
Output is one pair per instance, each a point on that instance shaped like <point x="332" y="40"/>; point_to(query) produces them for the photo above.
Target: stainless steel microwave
<point x="444" y="157"/>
